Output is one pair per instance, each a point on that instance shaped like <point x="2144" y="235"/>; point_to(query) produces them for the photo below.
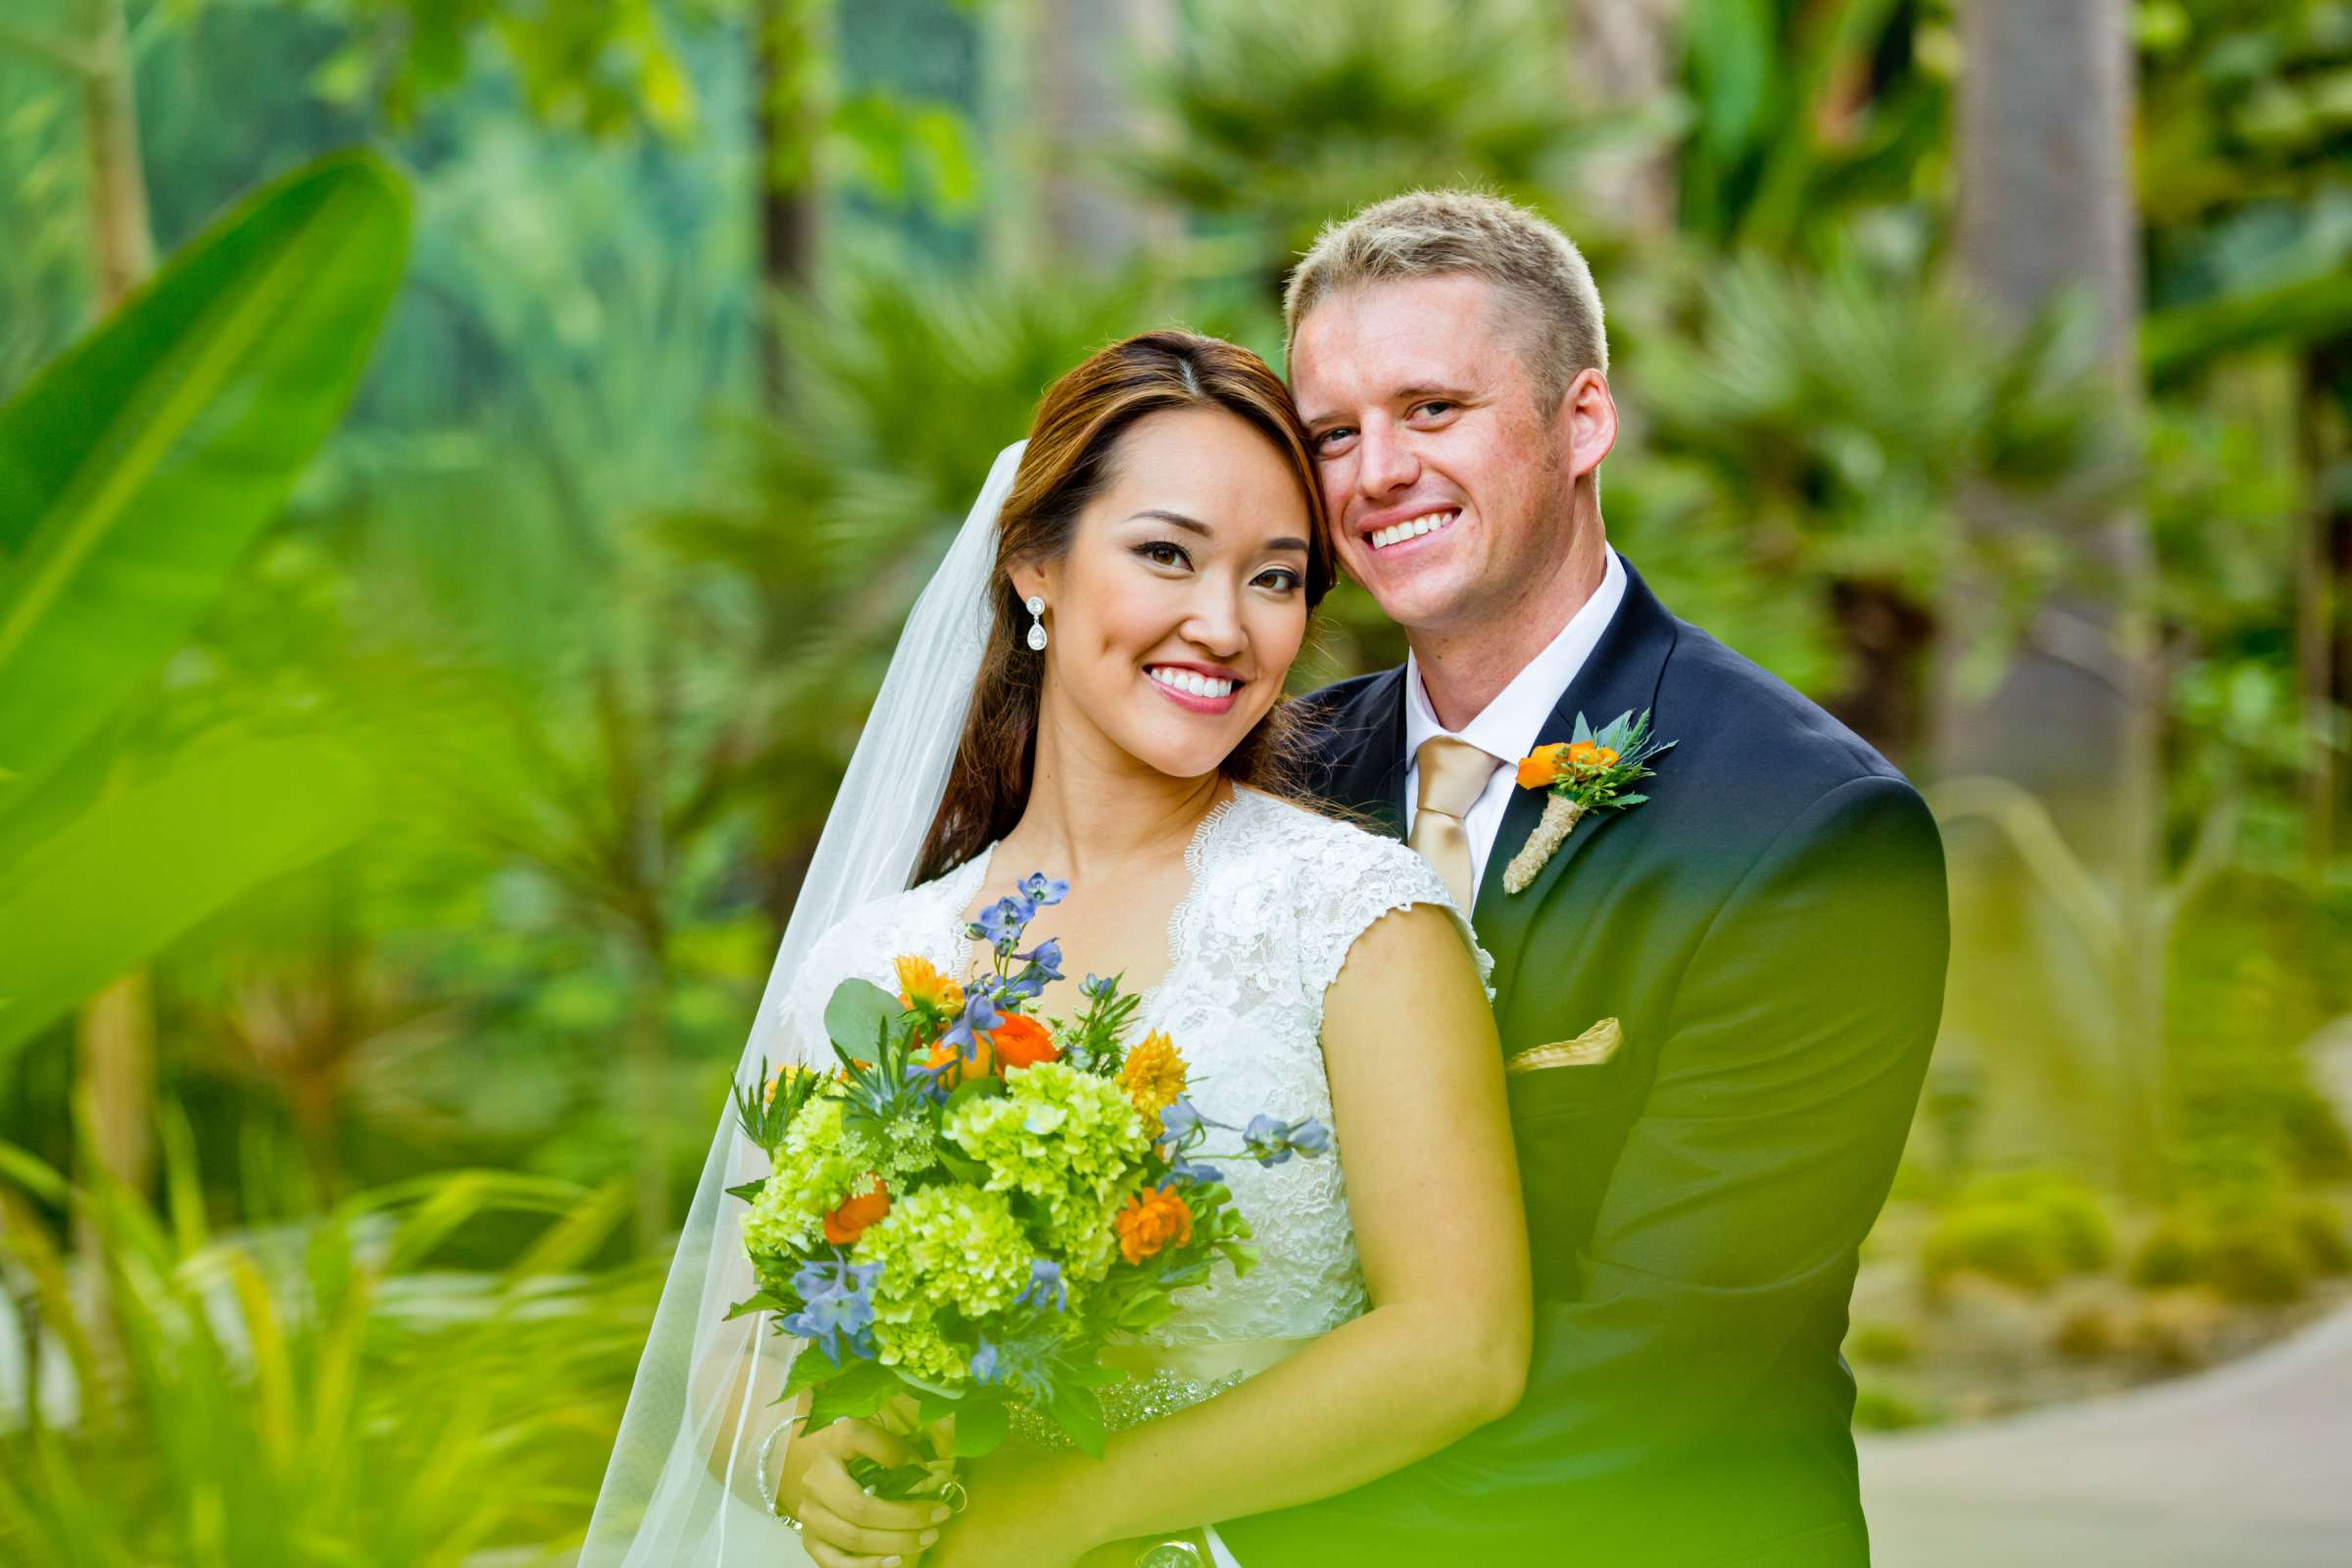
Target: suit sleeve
<point x="1726" y="1237"/>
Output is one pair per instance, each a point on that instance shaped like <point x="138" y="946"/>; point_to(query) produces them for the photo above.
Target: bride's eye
<point x="1282" y="579"/>
<point x="1160" y="553"/>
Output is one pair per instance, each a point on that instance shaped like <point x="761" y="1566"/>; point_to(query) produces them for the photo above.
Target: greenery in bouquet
<point x="977" y="1198"/>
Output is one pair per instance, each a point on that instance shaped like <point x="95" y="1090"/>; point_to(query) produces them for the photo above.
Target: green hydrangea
<point x="1066" y="1139"/>
<point x="819" y="1164"/>
<point x="912" y="1143"/>
<point x="948" y="1247"/>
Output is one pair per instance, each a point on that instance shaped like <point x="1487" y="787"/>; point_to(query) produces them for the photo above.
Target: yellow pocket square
<point x="1595" y="1046"/>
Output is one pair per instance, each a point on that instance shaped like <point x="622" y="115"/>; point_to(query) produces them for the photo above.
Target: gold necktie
<point x="1453" y="774"/>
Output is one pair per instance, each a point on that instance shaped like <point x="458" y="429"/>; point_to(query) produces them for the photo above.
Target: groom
<point x="1715" y="1005"/>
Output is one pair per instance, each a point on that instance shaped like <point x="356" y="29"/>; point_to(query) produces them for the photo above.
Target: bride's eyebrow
<point x="1196" y="525"/>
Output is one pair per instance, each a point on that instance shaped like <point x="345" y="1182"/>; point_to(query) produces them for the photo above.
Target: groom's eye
<point x="1441" y="405"/>
<point x="1325" y="438"/>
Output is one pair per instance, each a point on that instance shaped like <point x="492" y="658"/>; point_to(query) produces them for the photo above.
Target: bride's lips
<point x="1195" y="687"/>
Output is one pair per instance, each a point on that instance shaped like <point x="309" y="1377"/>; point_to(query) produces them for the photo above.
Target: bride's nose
<point x="1213" y="620"/>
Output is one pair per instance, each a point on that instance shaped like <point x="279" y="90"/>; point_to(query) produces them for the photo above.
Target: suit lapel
<point x="1367" y="771"/>
<point x="1622" y="673"/>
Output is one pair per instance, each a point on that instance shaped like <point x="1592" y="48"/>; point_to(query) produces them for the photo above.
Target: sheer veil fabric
<point x="679" y="1487"/>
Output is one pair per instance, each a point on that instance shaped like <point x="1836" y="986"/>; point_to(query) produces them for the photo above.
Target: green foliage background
<point x="598" y="574"/>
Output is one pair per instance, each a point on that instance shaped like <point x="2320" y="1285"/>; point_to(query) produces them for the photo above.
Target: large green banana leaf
<point x="137" y="468"/>
<point x="149" y="862"/>
<point x="135" y="472"/>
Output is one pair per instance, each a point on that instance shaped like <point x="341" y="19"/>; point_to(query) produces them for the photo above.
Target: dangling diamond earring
<point x="1036" y="623"/>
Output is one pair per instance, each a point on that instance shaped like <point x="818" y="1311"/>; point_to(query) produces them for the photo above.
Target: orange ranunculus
<point x="1582" y="754"/>
<point x="1603" y="756"/>
<point x="1154" y="1077"/>
<point x="1151" y="1219"/>
<point x="1539" y="767"/>
<point x="857" y="1211"/>
<point x="921" y="985"/>
<point x="1021" y="1042"/>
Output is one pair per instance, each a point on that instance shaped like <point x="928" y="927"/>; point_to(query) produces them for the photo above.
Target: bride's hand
<point x="841" y="1525"/>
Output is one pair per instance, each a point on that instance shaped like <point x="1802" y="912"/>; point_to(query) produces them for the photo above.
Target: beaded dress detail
<point x="1278" y="895"/>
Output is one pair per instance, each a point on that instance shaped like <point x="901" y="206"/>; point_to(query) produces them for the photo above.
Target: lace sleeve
<point x="1372" y="877"/>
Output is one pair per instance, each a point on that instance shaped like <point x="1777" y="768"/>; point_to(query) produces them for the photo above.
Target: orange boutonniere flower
<point x="857" y="1211"/>
<point x="1589" y="772"/>
<point x="1151" y="1219"/>
<point x="1539" y="767"/>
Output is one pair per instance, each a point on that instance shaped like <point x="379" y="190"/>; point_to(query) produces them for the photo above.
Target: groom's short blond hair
<point x="1434" y="233"/>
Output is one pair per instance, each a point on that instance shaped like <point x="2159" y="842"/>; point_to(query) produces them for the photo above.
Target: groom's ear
<point x="1585" y="424"/>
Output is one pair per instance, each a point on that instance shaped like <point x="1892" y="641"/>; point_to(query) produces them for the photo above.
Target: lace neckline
<point x="969" y="879"/>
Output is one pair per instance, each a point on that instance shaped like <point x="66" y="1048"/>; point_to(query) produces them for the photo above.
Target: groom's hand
<point x="842" y="1524"/>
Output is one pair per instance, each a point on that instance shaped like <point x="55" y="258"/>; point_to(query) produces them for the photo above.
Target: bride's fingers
<point x="843" y="1497"/>
<point x="836" y="1542"/>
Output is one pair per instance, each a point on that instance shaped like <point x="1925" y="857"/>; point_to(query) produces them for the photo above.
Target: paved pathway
<point x="2246" y="1466"/>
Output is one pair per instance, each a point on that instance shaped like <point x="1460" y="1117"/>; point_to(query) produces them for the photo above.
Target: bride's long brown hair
<point x="1067" y="463"/>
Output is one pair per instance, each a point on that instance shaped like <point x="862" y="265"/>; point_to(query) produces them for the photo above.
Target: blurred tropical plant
<point x="1838" y="419"/>
<point x="135" y="473"/>
<point x="314" y="1387"/>
<point x="1279" y="118"/>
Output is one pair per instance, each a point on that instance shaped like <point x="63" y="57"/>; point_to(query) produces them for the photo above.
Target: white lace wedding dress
<point x="1278" y="895"/>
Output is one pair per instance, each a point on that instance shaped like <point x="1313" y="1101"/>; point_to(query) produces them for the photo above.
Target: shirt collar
<point x="1506" y="728"/>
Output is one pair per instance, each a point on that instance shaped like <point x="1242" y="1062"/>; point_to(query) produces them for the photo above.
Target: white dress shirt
<point x="1505" y="730"/>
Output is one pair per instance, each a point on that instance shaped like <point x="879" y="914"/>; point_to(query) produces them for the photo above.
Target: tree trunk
<point x="1621" y="55"/>
<point x="2045" y="130"/>
<point x="2323" y="525"/>
<point x="124" y="240"/>
<point x="1083" y="55"/>
<point x="114" y="1031"/>
<point x="792" y="60"/>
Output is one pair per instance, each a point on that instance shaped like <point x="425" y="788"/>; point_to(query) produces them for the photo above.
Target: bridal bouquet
<point x="976" y="1199"/>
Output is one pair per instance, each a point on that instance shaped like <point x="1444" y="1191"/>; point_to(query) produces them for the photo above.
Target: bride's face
<point x="1181" y="602"/>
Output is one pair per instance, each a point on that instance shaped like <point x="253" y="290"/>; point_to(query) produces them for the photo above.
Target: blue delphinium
<point x="984" y="1362"/>
<point x="1001" y="924"/>
<point x="1271" y="1141"/>
<point x="1041" y="889"/>
<point x="1044" y="957"/>
<point x="1095" y="986"/>
<point x="1046" y="1290"/>
<point x="980" y="1016"/>
<point x="838" y="1305"/>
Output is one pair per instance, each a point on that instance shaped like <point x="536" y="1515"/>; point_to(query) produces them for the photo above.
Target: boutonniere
<point x="1586" y="773"/>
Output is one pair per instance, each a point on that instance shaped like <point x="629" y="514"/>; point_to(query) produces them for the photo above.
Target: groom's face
<point x="1446" y="483"/>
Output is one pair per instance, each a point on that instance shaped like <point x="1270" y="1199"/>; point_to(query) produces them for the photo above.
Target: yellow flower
<point x="1154" y="1076"/>
<point x="1603" y="756"/>
<point x="920" y="984"/>
<point x="1582" y="754"/>
<point x="1539" y="767"/>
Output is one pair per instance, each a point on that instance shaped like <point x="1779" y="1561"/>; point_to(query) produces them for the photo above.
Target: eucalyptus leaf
<point x="856" y="1013"/>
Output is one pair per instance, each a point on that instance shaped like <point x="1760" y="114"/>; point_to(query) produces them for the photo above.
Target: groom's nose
<point x="1384" y="461"/>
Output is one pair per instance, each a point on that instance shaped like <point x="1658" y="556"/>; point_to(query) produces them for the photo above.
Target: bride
<point x="1091" y="687"/>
